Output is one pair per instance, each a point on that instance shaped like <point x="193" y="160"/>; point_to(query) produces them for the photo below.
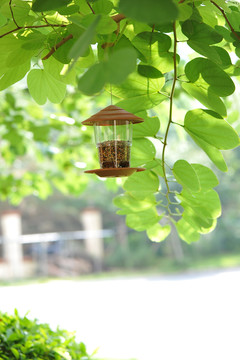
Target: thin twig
<point x="11" y="10"/>
<point x="90" y="6"/>
<point x="31" y="27"/>
<point x="225" y="17"/>
<point x="54" y="48"/>
<point x="170" y="113"/>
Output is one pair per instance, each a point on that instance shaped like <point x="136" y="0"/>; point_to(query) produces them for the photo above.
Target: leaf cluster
<point x="22" y="338"/>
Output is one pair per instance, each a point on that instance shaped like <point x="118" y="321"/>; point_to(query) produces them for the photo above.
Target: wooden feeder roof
<point x="106" y="116"/>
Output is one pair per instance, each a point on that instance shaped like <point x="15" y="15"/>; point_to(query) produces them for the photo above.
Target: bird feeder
<point x="113" y="137"/>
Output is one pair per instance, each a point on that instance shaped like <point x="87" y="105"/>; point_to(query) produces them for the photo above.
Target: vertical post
<point x="92" y="224"/>
<point x="12" y="248"/>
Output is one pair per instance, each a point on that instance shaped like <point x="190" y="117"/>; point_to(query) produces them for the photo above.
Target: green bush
<point x="21" y="338"/>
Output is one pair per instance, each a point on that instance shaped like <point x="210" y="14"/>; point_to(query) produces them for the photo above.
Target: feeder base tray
<point x="114" y="172"/>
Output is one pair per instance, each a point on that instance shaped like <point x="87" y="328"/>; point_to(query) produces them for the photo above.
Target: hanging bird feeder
<point x="113" y="136"/>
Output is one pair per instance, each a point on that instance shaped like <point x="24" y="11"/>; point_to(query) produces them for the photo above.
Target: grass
<point x="165" y="266"/>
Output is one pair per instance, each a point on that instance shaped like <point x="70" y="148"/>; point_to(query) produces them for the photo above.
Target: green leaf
<point x="102" y="7"/>
<point x="142" y="220"/>
<point x="206" y="176"/>
<point x="151" y="44"/>
<point x="205" y="96"/>
<point x="149" y="71"/>
<point x="208" y="15"/>
<point x="141" y="185"/>
<point x="200" y="32"/>
<point x="186" y="232"/>
<point x="19" y="57"/>
<point x="33" y="41"/>
<point x="136" y="85"/>
<point x="93" y="80"/>
<point x="214" y="131"/>
<point x="205" y="203"/>
<point x="186" y="175"/>
<point x="68" y="10"/>
<point x="158" y="233"/>
<point x="142" y="152"/>
<point x="15" y="352"/>
<point x="219" y="81"/>
<point x="46" y="5"/>
<point x="149" y="127"/>
<point x="140" y="93"/>
<point x="13" y="75"/>
<point x="153" y="48"/>
<point x="129" y="204"/>
<point x="185" y="11"/>
<point x="43" y="85"/>
<point x="120" y="64"/>
<point x="213" y="153"/>
<point x="20" y="9"/>
<point x="3" y="20"/>
<point x="149" y="11"/>
<point x="106" y="25"/>
<point x="201" y="224"/>
<point x="83" y="42"/>
<point x="141" y="102"/>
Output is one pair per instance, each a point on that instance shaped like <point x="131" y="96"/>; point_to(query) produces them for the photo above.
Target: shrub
<point x="21" y="338"/>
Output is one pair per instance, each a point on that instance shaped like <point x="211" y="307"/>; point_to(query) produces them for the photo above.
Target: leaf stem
<point x="170" y="113"/>
<point x="11" y="10"/>
<point x="32" y="27"/>
<point x="90" y="7"/>
<point x="226" y="18"/>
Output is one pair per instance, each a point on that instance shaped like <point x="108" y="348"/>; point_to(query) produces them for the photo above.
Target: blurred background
<point x="69" y="260"/>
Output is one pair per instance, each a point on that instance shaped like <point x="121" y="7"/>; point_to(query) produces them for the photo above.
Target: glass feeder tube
<point x="113" y="136"/>
<point x="113" y="139"/>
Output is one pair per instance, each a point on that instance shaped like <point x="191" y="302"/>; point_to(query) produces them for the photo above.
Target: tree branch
<point x="170" y="114"/>
<point x="225" y="17"/>
<point x="118" y="17"/>
<point x="54" y="48"/>
<point x="31" y="27"/>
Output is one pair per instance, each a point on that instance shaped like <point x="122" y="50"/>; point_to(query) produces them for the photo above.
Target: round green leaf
<point x="186" y="232"/>
<point x="205" y="203"/>
<point x="46" y="5"/>
<point x="43" y="85"/>
<point x="200" y="32"/>
<point x="214" y="131"/>
<point x="142" y="220"/>
<point x="142" y="152"/>
<point x="186" y="175"/>
<point x="13" y="75"/>
<point x="120" y="64"/>
<point x="205" y="96"/>
<point x="129" y="204"/>
<point x="158" y="233"/>
<point x="149" y="71"/>
<point x="219" y="81"/>
<point x="93" y="80"/>
<point x="149" y="127"/>
<point x="206" y="176"/>
<point x="149" y="11"/>
<point x="102" y="6"/>
<point x="142" y="184"/>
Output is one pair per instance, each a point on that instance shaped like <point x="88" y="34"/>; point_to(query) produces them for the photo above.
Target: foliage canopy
<point x="137" y="51"/>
